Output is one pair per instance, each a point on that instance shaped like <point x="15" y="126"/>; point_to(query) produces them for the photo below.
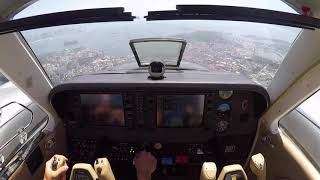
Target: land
<point x="256" y="58"/>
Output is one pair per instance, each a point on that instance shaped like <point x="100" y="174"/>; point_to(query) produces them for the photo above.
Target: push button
<point x="182" y="159"/>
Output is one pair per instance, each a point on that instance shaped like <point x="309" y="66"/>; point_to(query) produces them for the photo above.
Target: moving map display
<point x="105" y="109"/>
<point x="180" y="110"/>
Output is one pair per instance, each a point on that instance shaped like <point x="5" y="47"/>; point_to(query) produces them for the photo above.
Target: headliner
<point x="8" y="8"/>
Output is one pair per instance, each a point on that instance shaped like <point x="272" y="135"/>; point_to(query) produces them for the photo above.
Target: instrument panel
<point x="171" y="110"/>
<point x="191" y="124"/>
<point x="224" y="112"/>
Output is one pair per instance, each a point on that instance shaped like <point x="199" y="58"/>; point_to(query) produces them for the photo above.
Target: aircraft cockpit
<point x="182" y="124"/>
<point x="154" y="90"/>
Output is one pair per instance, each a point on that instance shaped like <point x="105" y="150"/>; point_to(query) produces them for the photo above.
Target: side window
<point x="310" y="109"/>
<point x="3" y="79"/>
<point x="303" y="125"/>
<point x="21" y="123"/>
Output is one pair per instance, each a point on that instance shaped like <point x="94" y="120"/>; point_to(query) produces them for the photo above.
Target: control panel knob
<point x="157" y="146"/>
<point x="222" y="126"/>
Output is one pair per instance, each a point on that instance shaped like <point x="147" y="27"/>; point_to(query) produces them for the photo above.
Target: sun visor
<point x="65" y="18"/>
<point x="232" y="13"/>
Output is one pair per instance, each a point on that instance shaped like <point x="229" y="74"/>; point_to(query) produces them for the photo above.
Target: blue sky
<point x="141" y="7"/>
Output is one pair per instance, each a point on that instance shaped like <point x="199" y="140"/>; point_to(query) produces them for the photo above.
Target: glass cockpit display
<point x="180" y="110"/>
<point x="106" y="109"/>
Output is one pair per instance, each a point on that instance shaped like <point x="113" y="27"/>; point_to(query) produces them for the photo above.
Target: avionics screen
<point x="180" y="110"/>
<point x="103" y="109"/>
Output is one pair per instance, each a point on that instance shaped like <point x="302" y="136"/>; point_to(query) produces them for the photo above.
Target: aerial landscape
<point x="69" y="51"/>
<point x="218" y="52"/>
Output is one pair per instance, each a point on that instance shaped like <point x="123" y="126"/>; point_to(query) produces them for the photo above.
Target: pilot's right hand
<point x="145" y="164"/>
<point x="59" y="173"/>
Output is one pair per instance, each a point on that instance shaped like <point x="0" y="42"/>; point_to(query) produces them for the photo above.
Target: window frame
<point x="303" y="131"/>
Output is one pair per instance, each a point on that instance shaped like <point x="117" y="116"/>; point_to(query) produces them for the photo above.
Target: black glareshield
<point x="233" y="13"/>
<point x="66" y="18"/>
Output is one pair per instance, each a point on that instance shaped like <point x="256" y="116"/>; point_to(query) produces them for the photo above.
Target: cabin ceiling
<point x="10" y="7"/>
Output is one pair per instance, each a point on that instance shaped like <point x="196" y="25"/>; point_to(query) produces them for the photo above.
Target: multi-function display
<point x="180" y="110"/>
<point x="106" y="109"/>
<point x="172" y="110"/>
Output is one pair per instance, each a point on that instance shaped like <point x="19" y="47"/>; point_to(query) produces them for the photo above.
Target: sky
<point x="141" y="7"/>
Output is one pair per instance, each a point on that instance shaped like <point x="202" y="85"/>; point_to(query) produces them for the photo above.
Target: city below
<point x="258" y="59"/>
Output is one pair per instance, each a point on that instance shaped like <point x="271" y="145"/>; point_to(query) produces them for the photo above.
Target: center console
<point x="173" y="159"/>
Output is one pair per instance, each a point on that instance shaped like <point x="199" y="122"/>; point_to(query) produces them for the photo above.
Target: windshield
<point x="253" y="49"/>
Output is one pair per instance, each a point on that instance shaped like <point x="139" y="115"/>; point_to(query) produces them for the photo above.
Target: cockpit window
<point x="3" y="79"/>
<point x="255" y="50"/>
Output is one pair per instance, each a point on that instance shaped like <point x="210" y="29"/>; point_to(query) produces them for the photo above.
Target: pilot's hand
<point x="145" y="164"/>
<point x="59" y="173"/>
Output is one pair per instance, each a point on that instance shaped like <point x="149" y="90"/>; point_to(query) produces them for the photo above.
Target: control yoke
<point x="258" y="166"/>
<point x="208" y="171"/>
<point x="230" y="172"/>
<point x="102" y="169"/>
<point x="233" y="172"/>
